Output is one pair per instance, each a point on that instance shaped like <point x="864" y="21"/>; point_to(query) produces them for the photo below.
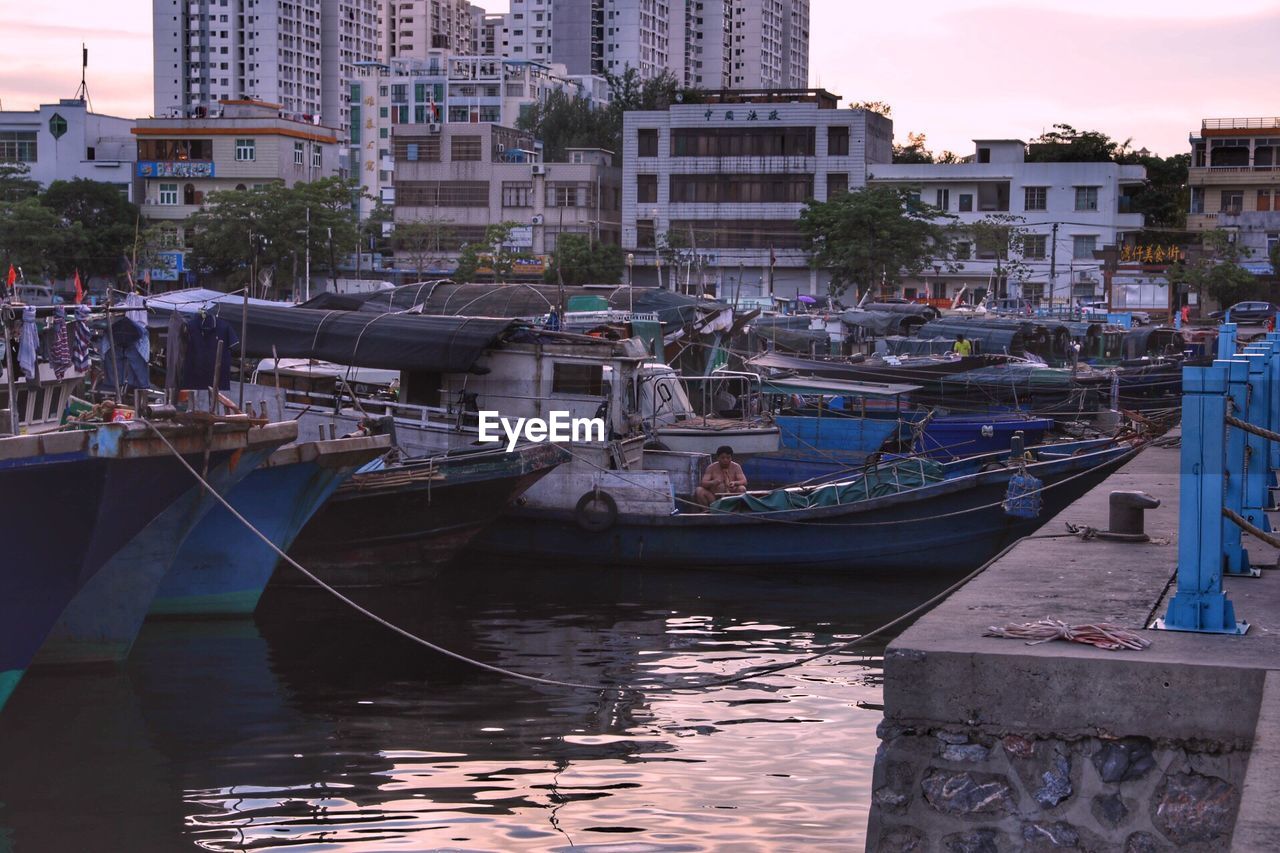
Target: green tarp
<point x="887" y="480"/>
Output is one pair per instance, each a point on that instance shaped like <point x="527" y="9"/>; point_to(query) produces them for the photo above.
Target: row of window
<point x="1034" y="198"/>
<point x="769" y="141"/>
<point x="728" y="233"/>
<point x="1035" y="247"/>
<point x="17" y="146"/>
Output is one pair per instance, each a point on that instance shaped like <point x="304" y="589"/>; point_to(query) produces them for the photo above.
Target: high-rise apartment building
<point x="770" y="44"/>
<point x="411" y="29"/>
<point x="295" y="53"/>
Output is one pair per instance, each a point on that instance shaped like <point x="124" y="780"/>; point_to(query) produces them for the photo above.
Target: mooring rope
<point x="1252" y="428"/>
<point x="1253" y="530"/>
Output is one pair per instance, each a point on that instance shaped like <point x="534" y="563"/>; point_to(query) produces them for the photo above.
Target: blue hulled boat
<point x="102" y="621"/>
<point x="222" y="568"/>
<point x="954" y="521"/>
<point x="69" y="501"/>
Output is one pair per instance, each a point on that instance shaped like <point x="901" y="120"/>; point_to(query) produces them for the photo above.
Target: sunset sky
<point x="1148" y="70"/>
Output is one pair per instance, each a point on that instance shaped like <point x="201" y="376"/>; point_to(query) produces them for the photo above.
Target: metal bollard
<point x="1126" y="522"/>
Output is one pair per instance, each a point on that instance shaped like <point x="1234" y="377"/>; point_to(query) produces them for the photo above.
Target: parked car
<point x="1099" y="309"/>
<point x="1248" y="312"/>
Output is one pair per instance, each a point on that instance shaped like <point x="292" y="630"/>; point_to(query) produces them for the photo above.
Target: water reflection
<point x="317" y="730"/>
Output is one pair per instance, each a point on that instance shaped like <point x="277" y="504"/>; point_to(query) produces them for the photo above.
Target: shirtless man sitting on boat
<point x="722" y="477"/>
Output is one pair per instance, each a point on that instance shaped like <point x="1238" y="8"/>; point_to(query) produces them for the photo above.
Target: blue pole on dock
<point x="1273" y="338"/>
<point x="1265" y="412"/>
<point x="1257" y="481"/>
<point x="1237" y="556"/>
<point x="1227" y="340"/>
<point x="1199" y="604"/>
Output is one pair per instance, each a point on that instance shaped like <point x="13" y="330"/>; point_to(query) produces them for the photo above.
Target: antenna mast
<point x="82" y="94"/>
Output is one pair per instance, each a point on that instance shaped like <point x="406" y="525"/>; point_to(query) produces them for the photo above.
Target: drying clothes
<point x="59" y="348"/>
<point x="203" y="332"/>
<point x="138" y="316"/>
<point x="30" y="341"/>
<point x="80" y="339"/>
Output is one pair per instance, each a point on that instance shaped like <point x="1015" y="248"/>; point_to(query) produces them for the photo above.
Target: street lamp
<point x="631" y="300"/>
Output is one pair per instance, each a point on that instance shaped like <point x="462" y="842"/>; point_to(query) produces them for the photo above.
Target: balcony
<point x="1264" y="123"/>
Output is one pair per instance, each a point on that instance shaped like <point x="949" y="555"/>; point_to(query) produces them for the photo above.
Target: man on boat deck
<point x="962" y="347"/>
<point x="722" y="477"/>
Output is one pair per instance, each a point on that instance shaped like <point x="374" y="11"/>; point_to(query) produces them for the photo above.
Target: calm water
<point x="309" y="728"/>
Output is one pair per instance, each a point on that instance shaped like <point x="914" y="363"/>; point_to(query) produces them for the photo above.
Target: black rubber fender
<point x="599" y="518"/>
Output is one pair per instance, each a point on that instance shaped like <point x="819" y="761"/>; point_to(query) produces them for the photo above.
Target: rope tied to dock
<point x="1101" y="634"/>
<point x="1252" y="428"/>
<point x="1252" y="529"/>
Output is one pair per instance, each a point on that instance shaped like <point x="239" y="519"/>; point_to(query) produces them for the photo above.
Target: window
<point x="568" y="195"/>
<point x="1083" y="245"/>
<point x="298" y="153"/>
<point x="645" y="234"/>
<point x="464" y="148"/>
<point x="964" y="251"/>
<point x="580" y="379"/>
<point x="646" y="188"/>
<point x="1036" y="198"/>
<point x="317" y="156"/>
<point x="442" y="193"/>
<point x="168" y="194"/>
<point x="741" y="189"/>
<point x="743" y="142"/>
<point x="17" y="146"/>
<point x="1232" y="201"/>
<point x="1264" y="200"/>
<point x="837" y="182"/>
<point x="984" y="155"/>
<point x="1086" y="198"/>
<point x="517" y="194"/>
<point x="1197" y="200"/>
<point x="942" y="199"/>
<point x="966" y="203"/>
<point x="424" y="148"/>
<point x="647" y="140"/>
<point x="245" y="149"/>
<point x="838" y="141"/>
<point x="1034" y="246"/>
<point x="399" y="93"/>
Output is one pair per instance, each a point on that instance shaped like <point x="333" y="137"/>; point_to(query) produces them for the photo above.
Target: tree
<point x="1001" y="235"/>
<point x="1065" y="144"/>
<point x="878" y="107"/>
<point x="1164" y="196"/>
<point x="31" y="237"/>
<point x="16" y="182"/>
<point x="99" y="224"/>
<point x="579" y="260"/>
<point x="872" y="235"/>
<point x="421" y="242"/>
<point x="914" y="151"/>
<point x="1216" y="272"/>
<point x="492" y="252"/>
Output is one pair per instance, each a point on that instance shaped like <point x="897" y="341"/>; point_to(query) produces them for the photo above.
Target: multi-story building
<point x="412" y="29"/>
<point x="1062" y="212"/>
<point x="181" y="161"/>
<point x="714" y="189"/>
<point x="486" y="31"/>
<point x="64" y="141"/>
<point x="1235" y="184"/>
<point x="423" y="96"/>
<point x="526" y="31"/>
<point x="470" y="176"/>
<point x="770" y="44"/>
<point x="296" y="53"/>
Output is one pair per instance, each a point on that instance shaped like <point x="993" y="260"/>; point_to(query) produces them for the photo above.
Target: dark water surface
<point x="310" y="728"/>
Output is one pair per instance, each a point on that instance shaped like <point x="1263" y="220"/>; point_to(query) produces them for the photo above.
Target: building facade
<point x="64" y="141"/>
<point x="295" y="53"/>
<point x="712" y="191"/>
<point x="470" y="176"/>
<point x="1063" y="212"/>
<point x="412" y="29"/>
<point x="1235" y="184"/>
<point x="423" y="96"/>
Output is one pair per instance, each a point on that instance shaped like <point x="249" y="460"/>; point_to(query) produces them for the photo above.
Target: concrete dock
<point x="991" y="744"/>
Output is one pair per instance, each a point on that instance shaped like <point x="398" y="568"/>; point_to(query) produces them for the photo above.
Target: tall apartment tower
<point x="770" y="44"/>
<point x="411" y="29"/>
<point x="294" y="53"/>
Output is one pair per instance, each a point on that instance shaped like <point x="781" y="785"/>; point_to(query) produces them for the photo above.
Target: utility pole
<point x="307" y="288"/>
<point x="1053" y="265"/>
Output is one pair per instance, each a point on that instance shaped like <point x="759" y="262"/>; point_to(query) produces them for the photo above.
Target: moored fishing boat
<point x="222" y="567"/>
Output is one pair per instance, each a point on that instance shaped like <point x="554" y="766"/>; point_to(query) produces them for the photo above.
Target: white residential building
<point x="1063" y="212"/>
<point x="64" y="141"/>
<point x="412" y="29"/>
<point x="424" y="96"/>
<point x="770" y="44"/>
<point x="295" y="53"/>
<point x="722" y="184"/>
<point x="470" y="176"/>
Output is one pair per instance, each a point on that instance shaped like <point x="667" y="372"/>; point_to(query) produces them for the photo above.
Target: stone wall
<point x="953" y="790"/>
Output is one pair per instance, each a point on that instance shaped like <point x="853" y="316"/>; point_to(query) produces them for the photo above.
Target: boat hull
<point x="913" y="530"/>
<point x="222" y="568"/>
<point x="389" y="527"/>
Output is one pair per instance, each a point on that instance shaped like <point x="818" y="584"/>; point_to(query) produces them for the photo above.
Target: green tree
<point x="492" y="252"/>
<point x="422" y="242"/>
<point x="99" y="225"/>
<point x="328" y="205"/>
<point x="32" y="237"/>
<point x="872" y="235"/>
<point x="914" y="151"/>
<point x="878" y="107"/>
<point x="16" y="182"/>
<point x="1001" y="236"/>
<point x="1215" y="271"/>
<point x="1065" y="144"/>
<point x="579" y="260"/>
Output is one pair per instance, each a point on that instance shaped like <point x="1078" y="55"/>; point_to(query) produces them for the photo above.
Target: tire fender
<point x="598" y="518"/>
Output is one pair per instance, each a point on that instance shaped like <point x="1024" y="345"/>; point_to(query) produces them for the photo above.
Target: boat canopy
<point x="389" y="341"/>
<point x="1152" y="340"/>
<point x="992" y="336"/>
<point x="815" y="385"/>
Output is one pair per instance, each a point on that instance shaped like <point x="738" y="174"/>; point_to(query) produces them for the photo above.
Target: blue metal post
<point x="1227" y="340"/>
<point x="1237" y="556"/>
<point x="1273" y="338"/>
<point x="1257" y="480"/>
<point x="1199" y="603"/>
<point x="1269" y="412"/>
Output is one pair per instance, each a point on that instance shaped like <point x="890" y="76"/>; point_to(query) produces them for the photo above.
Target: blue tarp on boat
<point x="889" y="480"/>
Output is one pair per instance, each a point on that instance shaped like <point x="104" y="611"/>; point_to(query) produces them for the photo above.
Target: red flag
<point x="79" y="289"/>
<point x="13" y="276"/>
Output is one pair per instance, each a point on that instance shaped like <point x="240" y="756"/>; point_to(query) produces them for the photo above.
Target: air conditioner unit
<point x="433" y="127"/>
<point x="539" y="169"/>
<point x="536" y="220"/>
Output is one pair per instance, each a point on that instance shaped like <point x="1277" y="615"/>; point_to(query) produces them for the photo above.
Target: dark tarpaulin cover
<point x="359" y="339"/>
<point x="516" y="300"/>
